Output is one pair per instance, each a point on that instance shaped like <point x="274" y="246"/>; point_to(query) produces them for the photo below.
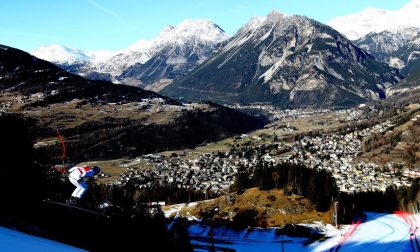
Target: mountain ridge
<point x="175" y="50"/>
<point x="290" y="61"/>
<point x="400" y="49"/>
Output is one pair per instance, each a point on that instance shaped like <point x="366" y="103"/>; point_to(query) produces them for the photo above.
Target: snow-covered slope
<point x="176" y="50"/>
<point x="356" y="25"/>
<point x="13" y="241"/>
<point x="379" y="232"/>
<point x="61" y="54"/>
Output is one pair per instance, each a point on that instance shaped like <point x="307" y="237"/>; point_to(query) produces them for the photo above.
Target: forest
<point x="317" y="185"/>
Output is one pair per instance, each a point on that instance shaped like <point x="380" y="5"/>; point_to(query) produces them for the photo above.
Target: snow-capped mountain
<point x="357" y="25"/>
<point x="61" y="54"/>
<point x="400" y="49"/>
<point x="291" y="61"/>
<point x="174" y="52"/>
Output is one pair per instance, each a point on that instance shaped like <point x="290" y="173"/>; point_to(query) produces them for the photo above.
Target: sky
<point x="116" y="24"/>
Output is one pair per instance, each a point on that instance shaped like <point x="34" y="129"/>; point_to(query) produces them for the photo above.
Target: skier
<point x="79" y="176"/>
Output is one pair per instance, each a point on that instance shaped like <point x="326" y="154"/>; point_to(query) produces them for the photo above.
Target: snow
<point x="196" y="33"/>
<point x="12" y="241"/>
<point x="309" y="48"/>
<point x="335" y="74"/>
<point x="413" y="56"/>
<point x="416" y="42"/>
<point x="242" y="240"/>
<point x="176" y="209"/>
<point x="357" y="25"/>
<point x="266" y="35"/>
<point x="253" y="24"/>
<point x="379" y="232"/>
<point x="61" y="54"/>
<point x="319" y="63"/>
<point x="189" y="30"/>
<point x="176" y="60"/>
<point x="396" y="62"/>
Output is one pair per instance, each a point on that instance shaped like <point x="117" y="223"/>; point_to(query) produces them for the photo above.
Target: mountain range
<point x="149" y="64"/>
<point x="400" y="49"/>
<point x="287" y="60"/>
<point x="392" y="37"/>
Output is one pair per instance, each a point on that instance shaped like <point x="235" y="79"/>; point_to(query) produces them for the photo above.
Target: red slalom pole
<point x="63" y="147"/>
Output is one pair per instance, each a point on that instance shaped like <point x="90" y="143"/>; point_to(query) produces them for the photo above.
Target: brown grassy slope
<point x="267" y="208"/>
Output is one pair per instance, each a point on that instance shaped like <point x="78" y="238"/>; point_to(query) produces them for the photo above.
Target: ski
<point x="75" y="207"/>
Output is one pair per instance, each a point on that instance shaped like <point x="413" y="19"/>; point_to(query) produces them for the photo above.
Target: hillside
<point x="256" y="208"/>
<point x="103" y="120"/>
<point x="399" y="145"/>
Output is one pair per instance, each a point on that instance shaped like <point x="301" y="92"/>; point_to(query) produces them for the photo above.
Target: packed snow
<point x="356" y="25"/>
<point x="378" y="232"/>
<point x="12" y="241"/>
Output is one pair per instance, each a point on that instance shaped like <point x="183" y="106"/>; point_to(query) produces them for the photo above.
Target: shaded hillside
<point x="24" y="75"/>
<point x="111" y="137"/>
<point x="101" y="120"/>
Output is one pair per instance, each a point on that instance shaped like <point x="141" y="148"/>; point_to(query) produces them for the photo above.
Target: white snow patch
<point x="309" y="48"/>
<point x="413" y="56"/>
<point x="334" y="73"/>
<point x="357" y="25"/>
<point x="416" y="42"/>
<point x="176" y="60"/>
<point x="266" y="35"/>
<point x="176" y="209"/>
<point x="319" y="63"/>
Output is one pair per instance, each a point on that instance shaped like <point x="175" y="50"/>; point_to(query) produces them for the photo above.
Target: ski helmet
<point x="96" y="170"/>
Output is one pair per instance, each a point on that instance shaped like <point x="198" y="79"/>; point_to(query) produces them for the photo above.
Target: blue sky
<point x="106" y="24"/>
